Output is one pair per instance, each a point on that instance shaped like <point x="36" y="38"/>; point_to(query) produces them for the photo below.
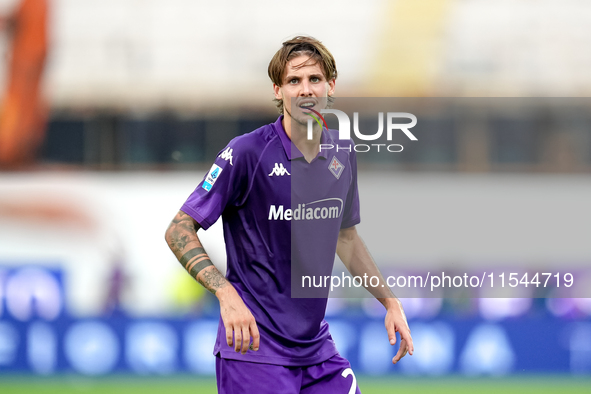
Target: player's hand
<point x="396" y="322"/>
<point x="238" y="320"/>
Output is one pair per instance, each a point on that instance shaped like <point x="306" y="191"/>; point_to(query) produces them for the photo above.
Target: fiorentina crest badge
<point x="336" y="167"/>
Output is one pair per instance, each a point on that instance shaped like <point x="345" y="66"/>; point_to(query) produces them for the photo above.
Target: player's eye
<point x="314" y="79"/>
<point x="293" y="81"/>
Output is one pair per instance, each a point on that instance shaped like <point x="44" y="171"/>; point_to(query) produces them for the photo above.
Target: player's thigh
<point x="334" y="376"/>
<point x="239" y="377"/>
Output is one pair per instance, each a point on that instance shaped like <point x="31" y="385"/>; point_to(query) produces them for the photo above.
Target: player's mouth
<point x="307" y="105"/>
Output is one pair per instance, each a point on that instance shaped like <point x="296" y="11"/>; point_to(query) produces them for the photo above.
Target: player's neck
<point x="299" y="136"/>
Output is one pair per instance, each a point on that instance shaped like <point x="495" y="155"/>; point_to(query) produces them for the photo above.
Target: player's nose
<point x="306" y="89"/>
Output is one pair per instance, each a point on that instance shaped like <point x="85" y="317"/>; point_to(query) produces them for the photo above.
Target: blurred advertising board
<point x="39" y="336"/>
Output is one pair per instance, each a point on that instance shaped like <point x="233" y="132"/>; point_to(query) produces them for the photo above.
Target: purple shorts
<point x="334" y="376"/>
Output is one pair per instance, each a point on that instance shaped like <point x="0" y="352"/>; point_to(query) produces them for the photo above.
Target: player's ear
<point x="331" y="85"/>
<point x="277" y="91"/>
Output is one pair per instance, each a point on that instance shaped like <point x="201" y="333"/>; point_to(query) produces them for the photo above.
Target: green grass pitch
<point x="369" y="385"/>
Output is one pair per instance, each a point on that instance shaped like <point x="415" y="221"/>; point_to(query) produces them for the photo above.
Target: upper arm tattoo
<point x="181" y="231"/>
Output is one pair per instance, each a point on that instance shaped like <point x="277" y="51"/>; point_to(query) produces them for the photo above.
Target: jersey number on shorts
<point x="346" y="373"/>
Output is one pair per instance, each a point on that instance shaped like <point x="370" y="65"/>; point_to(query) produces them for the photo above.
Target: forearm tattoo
<point x="212" y="280"/>
<point x="196" y="252"/>
<point x="182" y="234"/>
<point x="195" y="260"/>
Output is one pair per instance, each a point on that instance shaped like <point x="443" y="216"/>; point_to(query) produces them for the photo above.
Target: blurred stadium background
<point x="113" y="110"/>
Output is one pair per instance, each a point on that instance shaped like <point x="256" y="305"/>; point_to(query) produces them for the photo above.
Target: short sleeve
<point x="351" y="215"/>
<point x="224" y="185"/>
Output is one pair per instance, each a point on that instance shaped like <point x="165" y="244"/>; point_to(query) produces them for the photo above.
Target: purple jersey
<point x="276" y="206"/>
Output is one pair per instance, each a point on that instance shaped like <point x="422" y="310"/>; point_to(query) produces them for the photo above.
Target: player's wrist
<point x="391" y="303"/>
<point x="225" y="292"/>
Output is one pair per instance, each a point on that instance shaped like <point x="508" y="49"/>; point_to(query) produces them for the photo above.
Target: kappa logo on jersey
<point x="227" y="155"/>
<point x="336" y="167"/>
<point x="212" y="177"/>
<point x="279" y="170"/>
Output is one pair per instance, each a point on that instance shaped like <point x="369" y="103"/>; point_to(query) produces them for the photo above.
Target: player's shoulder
<point x="252" y="144"/>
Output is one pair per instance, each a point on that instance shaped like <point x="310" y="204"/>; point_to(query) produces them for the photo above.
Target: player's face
<point x="304" y="87"/>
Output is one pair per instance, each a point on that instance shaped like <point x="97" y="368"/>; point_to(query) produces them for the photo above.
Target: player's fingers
<point x="405" y="335"/>
<point x="401" y="352"/>
<point x="237" y="339"/>
<point x="391" y="335"/>
<point x="391" y="330"/>
<point x="245" y="339"/>
<point x="229" y="336"/>
<point x="254" y="332"/>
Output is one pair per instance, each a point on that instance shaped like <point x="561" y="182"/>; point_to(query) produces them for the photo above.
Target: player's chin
<point x="301" y="118"/>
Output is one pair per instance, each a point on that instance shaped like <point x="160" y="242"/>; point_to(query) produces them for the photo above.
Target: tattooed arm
<point x="239" y="322"/>
<point x="182" y="239"/>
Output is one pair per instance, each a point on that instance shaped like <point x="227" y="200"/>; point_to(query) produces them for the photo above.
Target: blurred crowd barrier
<point x="537" y="135"/>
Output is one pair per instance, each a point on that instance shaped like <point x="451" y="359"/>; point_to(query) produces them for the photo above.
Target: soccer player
<point x="284" y="203"/>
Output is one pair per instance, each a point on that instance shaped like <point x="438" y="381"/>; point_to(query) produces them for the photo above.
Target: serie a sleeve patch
<point x="212" y="177"/>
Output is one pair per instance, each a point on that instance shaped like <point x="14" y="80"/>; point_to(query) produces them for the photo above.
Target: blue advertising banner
<point x="38" y="336"/>
<point x="165" y="346"/>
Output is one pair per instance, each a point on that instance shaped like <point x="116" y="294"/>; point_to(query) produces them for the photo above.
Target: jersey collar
<point x="291" y="150"/>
